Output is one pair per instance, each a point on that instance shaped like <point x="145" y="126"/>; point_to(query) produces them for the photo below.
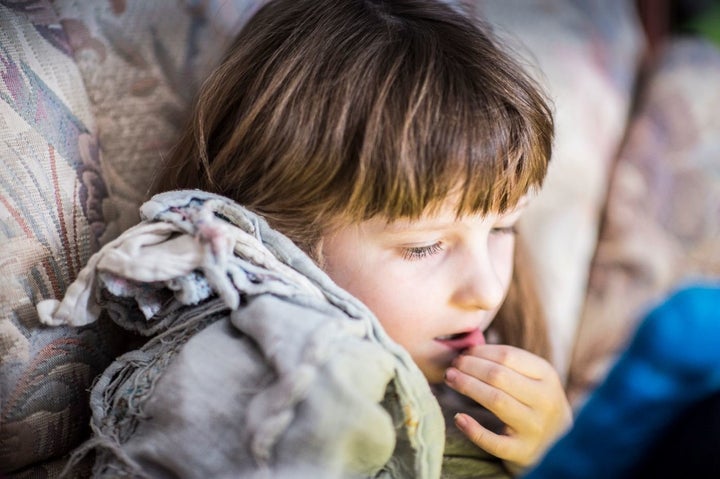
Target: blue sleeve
<point x="672" y="362"/>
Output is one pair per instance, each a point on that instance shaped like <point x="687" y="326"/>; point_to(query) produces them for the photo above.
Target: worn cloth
<point x="257" y="364"/>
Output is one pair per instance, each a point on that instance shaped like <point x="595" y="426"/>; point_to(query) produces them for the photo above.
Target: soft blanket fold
<point x="257" y="364"/>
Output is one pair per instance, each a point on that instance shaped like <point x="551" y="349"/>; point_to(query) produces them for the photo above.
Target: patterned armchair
<point x="91" y="96"/>
<point x="93" y="93"/>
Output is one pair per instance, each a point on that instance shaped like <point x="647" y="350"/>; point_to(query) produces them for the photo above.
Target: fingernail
<point x="450" y="374"/>
<point x="460" y="419"/>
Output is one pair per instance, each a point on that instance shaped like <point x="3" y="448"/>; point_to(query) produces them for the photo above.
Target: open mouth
<point x="450" y="337"/>
<point x="462" y="340"/>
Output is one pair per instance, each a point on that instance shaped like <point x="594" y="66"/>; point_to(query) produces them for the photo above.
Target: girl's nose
<point x="481" y="284"/>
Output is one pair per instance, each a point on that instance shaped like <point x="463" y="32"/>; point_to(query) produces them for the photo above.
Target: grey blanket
<point x="257" y="365"/>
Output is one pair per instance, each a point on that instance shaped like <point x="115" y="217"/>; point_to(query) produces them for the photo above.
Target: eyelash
<point x="420" y="252"/>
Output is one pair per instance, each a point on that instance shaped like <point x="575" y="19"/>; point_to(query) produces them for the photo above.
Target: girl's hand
<point x="523" y="390"/>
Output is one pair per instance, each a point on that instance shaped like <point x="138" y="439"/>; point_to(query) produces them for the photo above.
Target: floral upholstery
<point x="51" y="199"/>
<point x="91" y="96"/>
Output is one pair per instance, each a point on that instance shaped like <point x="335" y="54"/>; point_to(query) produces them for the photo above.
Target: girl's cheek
<point x="502" y="254"/>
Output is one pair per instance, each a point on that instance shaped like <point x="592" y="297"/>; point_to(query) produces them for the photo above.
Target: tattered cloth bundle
<point x="257" y="364"/>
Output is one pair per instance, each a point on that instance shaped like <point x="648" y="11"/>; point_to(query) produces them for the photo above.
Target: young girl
<point x="397" y="145"/>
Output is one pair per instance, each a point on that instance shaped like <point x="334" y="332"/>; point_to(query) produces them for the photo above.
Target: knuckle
<point x="496" y="399"/>
<point x="545" y="404"/>
<point x="503" y="355"/>
<point x="460" y="383"/>
<point x="535" y="426"/>
<point x="461" y="362"/>
<point x="479" y="436"/>
<point x="495" y="375"/>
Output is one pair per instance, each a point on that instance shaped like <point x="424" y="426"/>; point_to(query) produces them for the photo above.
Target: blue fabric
<point x="672" y="362"/>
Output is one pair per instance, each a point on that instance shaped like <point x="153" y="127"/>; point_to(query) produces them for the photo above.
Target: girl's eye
<point x="510" y="230"/>
<point x="420" y="252"/>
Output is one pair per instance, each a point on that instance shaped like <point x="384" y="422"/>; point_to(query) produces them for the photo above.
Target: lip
<point x="468" y="339"/>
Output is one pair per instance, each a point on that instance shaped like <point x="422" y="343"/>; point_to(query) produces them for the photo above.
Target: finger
<point x="496" y="444"/>
<point x="519" y="386"/>
<point x="507" y="409"/>
<point x="520" y="360"/>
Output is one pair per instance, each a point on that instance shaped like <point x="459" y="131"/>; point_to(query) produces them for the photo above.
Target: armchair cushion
<point x="91" y="96"/>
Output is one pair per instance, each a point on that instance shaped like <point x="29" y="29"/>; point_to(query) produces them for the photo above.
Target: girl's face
<point x="434" y="283"/>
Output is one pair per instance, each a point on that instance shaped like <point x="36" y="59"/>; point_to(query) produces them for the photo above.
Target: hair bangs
<point x="437" y="132"/>
<point x="503" y="168"/>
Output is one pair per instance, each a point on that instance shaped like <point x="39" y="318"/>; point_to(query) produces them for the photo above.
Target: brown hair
<point x="347" y="109"/>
